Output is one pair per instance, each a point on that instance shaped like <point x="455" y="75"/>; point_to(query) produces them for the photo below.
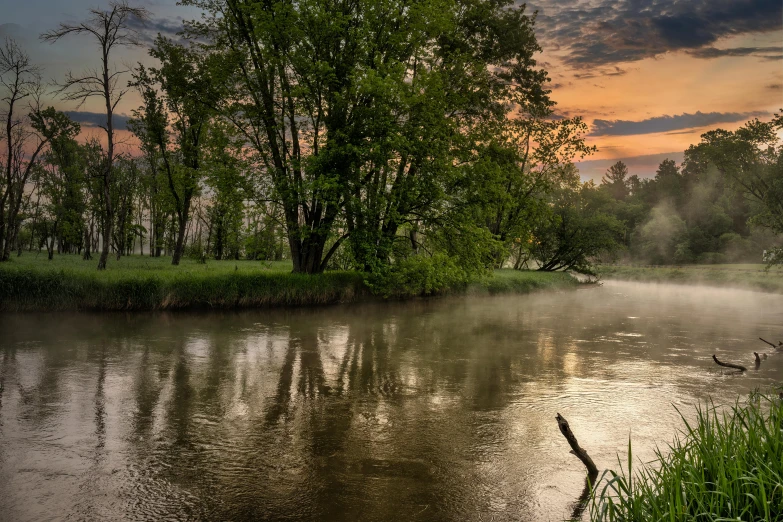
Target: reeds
<point x="728" y="465"/>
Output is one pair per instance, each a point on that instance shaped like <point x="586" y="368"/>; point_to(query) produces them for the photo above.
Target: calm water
<point x="431" y="410"/>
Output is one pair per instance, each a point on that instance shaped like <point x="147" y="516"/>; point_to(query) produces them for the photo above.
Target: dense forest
<point x="385" y="136"/>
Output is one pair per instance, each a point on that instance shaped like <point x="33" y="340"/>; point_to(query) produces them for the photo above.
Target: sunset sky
<point x="648" y="76"/>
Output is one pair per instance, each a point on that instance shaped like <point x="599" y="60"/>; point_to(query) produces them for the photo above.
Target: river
<point x="439" y="409"/>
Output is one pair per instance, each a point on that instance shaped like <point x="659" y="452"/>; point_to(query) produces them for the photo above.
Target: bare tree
<point x="20" y="82"/>
<point x="111" y="28"/>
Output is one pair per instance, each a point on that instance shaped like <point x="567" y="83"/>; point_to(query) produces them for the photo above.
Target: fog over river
<point x="440" y="409"/>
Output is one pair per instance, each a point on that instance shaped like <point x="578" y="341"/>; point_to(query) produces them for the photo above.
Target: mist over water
<point x="425" y="410"/>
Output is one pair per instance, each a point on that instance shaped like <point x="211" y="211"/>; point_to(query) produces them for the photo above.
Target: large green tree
<point x="356" y="110"/>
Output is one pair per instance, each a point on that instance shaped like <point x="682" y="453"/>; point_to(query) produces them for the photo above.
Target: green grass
<point x="748" y="276"/>
<point x="508" y="281"/>
<point x="33" y="283"/>
<point x="728" y="465"/>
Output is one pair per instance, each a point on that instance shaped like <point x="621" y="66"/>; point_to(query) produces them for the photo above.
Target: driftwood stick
<point x="729" y="365"/>
<point x="576" y="449"/>
<point x="769" y="343"/>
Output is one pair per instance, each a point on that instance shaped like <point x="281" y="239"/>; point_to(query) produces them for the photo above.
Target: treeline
<point x="393" y="137"/>
<point x="724" y="203"/>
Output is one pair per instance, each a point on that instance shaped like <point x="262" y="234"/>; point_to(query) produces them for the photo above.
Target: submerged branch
<point x="729" y="365"/>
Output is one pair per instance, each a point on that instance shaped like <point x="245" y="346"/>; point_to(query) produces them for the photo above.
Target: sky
<point x="648" y="76"/>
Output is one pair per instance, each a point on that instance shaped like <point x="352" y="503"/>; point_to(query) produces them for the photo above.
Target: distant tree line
<point x="376" y="135"/>
<point x="724" y="203"/>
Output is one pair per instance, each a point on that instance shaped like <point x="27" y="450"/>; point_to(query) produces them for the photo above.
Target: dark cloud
<point x="775" y="86"/>
<point x="149" y="29"/>
<point x="612" y="71"/>
<point x="97" y="119"/>
<point x="769" y="53"/>
<point x="608" y="32"/>
<point x="667" y="123"/>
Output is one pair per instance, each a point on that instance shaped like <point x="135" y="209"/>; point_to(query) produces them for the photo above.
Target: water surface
<point x="425" y="410"/>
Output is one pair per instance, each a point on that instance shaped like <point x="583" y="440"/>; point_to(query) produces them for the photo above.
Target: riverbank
<point x="33" y="283"/>
<point x="744" y="276"/>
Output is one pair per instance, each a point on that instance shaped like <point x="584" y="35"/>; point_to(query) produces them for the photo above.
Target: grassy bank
<point x="748" y="276"/>
<point x="32" y="282"/>
<point x="728" y="465"/>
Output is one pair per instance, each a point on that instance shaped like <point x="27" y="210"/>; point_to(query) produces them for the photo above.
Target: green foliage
<point x="575" y="230"/>
<point x="616" y="182"/>
<point x="728" y="465"/>
<point x="357" y="113"/>
<point x="418" y="275"/>
<point x="712" y="208"/>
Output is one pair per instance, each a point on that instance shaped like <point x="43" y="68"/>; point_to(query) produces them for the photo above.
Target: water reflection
<point x="431" y="410"/>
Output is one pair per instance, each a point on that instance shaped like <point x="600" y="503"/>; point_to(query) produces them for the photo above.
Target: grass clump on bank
<point x="751" y="277"/>
<point x="728" y="465"/>
<point x="32" y="283"/>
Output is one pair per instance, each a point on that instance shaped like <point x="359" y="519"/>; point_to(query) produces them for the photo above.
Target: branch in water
<point x="576" y="449"/>
<point x="729" y="365"/>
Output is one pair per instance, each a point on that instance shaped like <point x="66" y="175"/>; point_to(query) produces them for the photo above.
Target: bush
<point x="418" y="276"/>
<point x="711" y="258"/>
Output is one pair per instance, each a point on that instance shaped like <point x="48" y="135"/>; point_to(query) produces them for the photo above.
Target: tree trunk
<point x="87" y="242"/>
<point x="183" y="223"/>
<point x="107" y="224"/>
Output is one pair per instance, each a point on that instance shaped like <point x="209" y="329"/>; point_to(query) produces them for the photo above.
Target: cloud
<point x="775" y="86"/>
<point x="149" y="29"/>
<point x="594" y="73"/>
<point x="97" y="119"/>
<point x="608" y="32"/>
<point x="767" y="53"/>
<point x="667" y="123"/>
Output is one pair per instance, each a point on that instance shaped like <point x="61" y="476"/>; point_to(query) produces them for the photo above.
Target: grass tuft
<point x="728" y="465"/>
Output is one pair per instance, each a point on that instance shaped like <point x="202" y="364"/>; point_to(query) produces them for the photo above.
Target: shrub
<point x="418" y="275"/>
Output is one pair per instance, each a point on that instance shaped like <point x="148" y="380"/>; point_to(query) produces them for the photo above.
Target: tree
<point x="187" y="96"/>
<point x="507" y="186"/>
<point x="356" y="109"/>
<point x="616" y="181"/>
<point x="61" y="180"/>
<point x="111" y="28"/>
<point x="575" y="230"/>
<point x="751" y="159"/>
<point x="20" y="81"/>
